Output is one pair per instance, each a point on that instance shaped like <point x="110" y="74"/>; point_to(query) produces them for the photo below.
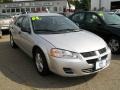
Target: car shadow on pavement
<point x="18" y="67"/>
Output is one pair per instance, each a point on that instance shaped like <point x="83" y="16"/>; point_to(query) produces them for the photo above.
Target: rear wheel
<point x="114" y="45"/>
<point x="41" y="63"/>
<point x="12" y="43"/>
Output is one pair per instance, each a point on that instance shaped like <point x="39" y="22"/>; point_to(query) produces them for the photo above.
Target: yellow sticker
<point x="33" y="18"/>
<point x="101" y="14"/>
<point x="36" y="18"/>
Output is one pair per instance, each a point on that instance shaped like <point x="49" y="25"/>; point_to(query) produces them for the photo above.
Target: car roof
<point x="42" y="14"/>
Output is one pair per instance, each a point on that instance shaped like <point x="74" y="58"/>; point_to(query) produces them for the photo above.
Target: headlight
<point x="59" y="53"/>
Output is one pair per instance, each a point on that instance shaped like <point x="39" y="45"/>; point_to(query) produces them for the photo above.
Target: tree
<point x="5" y="1"/>
<point x="85" y="4"/>
<point x="81" y="4"/>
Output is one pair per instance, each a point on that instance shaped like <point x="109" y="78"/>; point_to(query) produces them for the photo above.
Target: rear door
<point x="16" y="29"/>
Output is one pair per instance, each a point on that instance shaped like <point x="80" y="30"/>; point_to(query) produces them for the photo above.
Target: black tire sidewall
<point x="118" y="51"/>
<point x="45" y="64"/>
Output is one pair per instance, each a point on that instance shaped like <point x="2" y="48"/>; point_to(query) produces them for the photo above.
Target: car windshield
<point x="4" y="16"/>
<point x="111" y="18"/>
<point x="53" y="24"/>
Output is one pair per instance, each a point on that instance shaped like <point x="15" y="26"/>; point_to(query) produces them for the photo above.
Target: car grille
<point x="88" y="54"/>
<point x="100" y="55"/>
<point x="93" y="53"/>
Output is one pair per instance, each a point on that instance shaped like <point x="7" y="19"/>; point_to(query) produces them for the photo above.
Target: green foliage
<point x="85" y="4"/>
<point x="81" y="4"/>
<point x="5" y="1"/>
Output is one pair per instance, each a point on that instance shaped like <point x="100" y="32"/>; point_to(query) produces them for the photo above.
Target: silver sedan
<point x="58" y="45"/>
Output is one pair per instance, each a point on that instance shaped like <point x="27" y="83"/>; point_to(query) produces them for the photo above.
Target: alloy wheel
<point x="114" y="45"/>
<point x="39" y="62"/>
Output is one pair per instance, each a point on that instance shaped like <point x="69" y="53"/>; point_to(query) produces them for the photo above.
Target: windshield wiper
<point x="114" y="24"/>
<point x="70" y="30"/>
<point x="46" y="31"/>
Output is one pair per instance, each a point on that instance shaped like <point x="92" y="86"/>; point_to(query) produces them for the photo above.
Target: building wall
<point x="55" y="6"/>
<point x="94" y="4"/>
<point x="104" y="3"/>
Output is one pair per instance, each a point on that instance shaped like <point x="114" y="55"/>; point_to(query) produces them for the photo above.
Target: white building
<point x="55" y="6"/>
<point x="105" y="4"/>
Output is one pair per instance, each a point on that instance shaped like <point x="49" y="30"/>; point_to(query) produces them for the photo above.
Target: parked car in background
<point x="5" y="21"/>
<point x="58" y="45"/>
<point x="118" y="14"/>
<point x="104" y="24"/>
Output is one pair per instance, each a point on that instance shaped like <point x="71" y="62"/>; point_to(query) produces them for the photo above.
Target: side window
<point x="92" y="18"/>
<point x="19" y="21"/>
<point x="78" y="17"/>
<point x="26" y="23"/>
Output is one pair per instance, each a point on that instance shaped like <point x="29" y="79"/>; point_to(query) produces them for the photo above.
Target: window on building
<point x="22" y="10"/>
<point x="17" y="10"/>
<point x="60" y="9"/>
<point x="13" y="10"/>
<point x="38" y="9"/>
<point x="3" y="11"/>
<point x="43" y="8"/>
<point x="55" y="9"/>
<point x="48" y="8"/>
<point x="8" y="10"/>
<point x="27" y="9"/>
<point x="32" y="9"/>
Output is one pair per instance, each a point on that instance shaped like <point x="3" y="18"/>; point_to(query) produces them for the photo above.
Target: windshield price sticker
<point x="34" y="18"/>
<point x="101" y="14"/>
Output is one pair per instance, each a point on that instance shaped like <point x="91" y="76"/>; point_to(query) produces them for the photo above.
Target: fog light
<point x="68" y="70"/>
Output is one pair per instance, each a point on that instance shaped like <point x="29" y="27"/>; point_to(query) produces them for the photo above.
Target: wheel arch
<point x="43" y="51"/>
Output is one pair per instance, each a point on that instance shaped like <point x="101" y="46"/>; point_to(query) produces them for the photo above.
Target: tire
<point x="41" y="62"/>
<point x="12" y="43"/>
<point x="114" y="45"/>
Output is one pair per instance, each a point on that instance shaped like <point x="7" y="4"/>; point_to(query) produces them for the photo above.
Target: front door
<point x="26" y="37"/>
<point x="94" y="24"/>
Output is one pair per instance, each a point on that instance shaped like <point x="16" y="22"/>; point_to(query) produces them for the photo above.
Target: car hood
<point x="82" y="41"/>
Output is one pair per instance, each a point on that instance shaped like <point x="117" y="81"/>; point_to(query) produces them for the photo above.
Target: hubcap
<point x="39" y="62"/>
<point x="114" y="45"/>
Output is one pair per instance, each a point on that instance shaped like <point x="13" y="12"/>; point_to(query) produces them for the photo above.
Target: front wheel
<point x="114" y="45"/>
<point x="41" y="63"/>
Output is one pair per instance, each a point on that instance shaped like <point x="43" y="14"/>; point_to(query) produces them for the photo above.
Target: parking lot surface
<point x="17" y="72"/>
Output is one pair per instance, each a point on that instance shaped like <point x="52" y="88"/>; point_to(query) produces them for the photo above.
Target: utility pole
<point x="99" y="4"/>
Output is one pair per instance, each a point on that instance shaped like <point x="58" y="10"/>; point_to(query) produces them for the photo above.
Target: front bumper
<point x="77" y="67"/>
